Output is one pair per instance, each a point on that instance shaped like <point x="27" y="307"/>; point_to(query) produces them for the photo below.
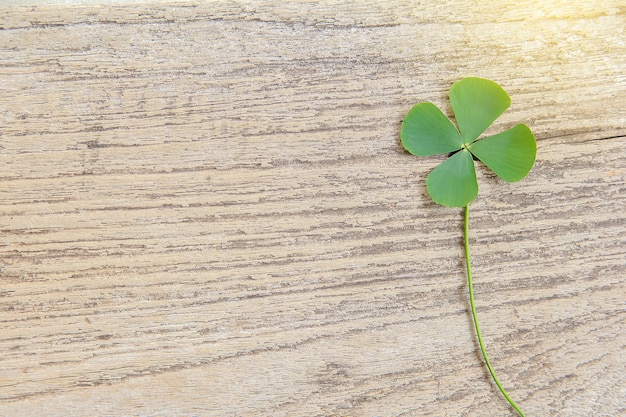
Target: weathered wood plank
<point x="205" y="210"/>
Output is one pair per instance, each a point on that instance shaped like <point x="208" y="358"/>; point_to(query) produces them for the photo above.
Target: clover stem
<point x="475" y="317"/>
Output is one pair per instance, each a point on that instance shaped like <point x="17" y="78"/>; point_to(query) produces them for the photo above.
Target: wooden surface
<point x="205" y="211"/>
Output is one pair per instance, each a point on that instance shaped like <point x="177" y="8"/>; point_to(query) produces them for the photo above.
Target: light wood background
<point x="205" y="210"/>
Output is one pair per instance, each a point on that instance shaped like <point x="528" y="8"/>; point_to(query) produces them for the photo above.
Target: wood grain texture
<point x="205" y="211"/>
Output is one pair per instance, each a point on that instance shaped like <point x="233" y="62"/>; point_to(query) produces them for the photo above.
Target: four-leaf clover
<point x="476" y="103"/>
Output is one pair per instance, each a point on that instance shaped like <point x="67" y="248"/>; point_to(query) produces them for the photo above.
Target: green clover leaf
<point x="476" y="103"/>
<point x="426" y="131"/>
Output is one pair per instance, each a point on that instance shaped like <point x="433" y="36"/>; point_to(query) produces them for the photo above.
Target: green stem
<point x="475" y="317"/>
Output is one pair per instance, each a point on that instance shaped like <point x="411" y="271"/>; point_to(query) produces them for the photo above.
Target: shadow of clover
<point x="476" y="104"/>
